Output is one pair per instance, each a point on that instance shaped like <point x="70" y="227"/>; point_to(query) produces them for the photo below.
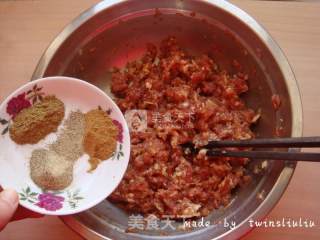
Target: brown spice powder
<point x="33" y="124"/>
<point x="100" y="138"/>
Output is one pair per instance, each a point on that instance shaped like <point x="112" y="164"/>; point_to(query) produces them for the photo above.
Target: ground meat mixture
<point x="202" y="103"/>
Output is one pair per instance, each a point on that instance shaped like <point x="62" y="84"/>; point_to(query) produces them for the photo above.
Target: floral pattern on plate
<point x="20" y="102"/>
<point x="51" y="201"/>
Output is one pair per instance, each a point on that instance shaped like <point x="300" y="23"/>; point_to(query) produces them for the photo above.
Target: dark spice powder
<point x="33" y="124"/>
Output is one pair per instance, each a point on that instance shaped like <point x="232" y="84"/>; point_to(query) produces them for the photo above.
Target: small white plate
<point x="87" y="189"/>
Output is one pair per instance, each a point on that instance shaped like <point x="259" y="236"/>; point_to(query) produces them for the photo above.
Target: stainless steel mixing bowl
<point x="113" y="32"/>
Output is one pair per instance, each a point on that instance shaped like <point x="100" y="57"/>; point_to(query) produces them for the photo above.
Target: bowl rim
<point x="294" y="96"/>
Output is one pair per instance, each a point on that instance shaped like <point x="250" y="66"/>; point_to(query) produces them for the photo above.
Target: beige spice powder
<point x="49" y="170"/>
<point x="69" y="141"/>
<point x="52" y="168"/>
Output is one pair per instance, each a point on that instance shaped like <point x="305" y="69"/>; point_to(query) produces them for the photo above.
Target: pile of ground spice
<point x="69" y="142"/>
<point x="94" y="133"/>
<point x="33" y="124"/>
<point x="49" y="170"/>
<point x="100" y="138"/>
<point x="52" y="168"/>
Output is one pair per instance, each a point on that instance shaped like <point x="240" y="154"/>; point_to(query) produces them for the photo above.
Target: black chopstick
<point x="213" y="148"/>
<point x="271" y="155"/>
<point x="306" y="142"/>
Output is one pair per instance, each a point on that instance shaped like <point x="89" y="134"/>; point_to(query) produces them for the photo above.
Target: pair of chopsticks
<point x="213" y="148"/>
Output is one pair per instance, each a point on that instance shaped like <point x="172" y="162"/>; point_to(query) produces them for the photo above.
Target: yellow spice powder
<point x="100" y="137"/>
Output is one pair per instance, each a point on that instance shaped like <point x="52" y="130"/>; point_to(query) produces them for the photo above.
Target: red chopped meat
<point x="203" y="103"/>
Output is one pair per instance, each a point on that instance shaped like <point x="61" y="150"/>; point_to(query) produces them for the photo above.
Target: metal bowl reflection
<point x="113" y="32"/>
